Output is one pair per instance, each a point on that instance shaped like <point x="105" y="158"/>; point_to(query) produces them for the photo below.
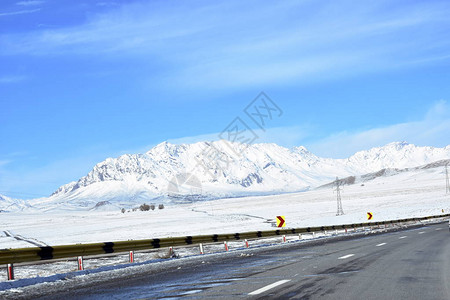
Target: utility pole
<point x="447" y="184"/>
<point x="340" y="211"/>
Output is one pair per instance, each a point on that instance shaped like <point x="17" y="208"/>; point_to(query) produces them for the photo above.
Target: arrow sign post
<point x="281" y="221"/>
<point x="369" y="216"/>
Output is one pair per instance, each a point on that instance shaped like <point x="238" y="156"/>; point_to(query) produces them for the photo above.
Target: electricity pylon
<point x="340" y="211"/>
<point x="447" y="184"/>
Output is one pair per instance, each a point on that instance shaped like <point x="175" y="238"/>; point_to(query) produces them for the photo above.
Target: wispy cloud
<point x="4" y="162"/>
<point x="19" y="12"/>
<point x="288" y="136"/>
<point x="11" y="79"/>
<point x="30" y="3"/>
<point x="432" y="130"/>
<point x="222" y="45"/>
<point x="41" y="181"/>
<point x="106" y="3"/>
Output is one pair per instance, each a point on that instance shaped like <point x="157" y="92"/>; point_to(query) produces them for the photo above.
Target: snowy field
<point x="410" y="194"/>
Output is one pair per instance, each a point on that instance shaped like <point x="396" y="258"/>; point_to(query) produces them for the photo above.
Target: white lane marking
<point x="421" y="232"/>
<point x="268" y="287"/>
<point x="346" y="256"/>
<point x="402" y="237"/>
<point x="382" y="244"/>
<point x="438" y="229"/>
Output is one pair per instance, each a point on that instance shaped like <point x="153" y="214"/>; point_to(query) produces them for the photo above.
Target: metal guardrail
<point x="19" y="255"/>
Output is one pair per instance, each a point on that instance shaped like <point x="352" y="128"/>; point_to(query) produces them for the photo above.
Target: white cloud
<point x="284" y="136"/>
<point x="19" y="12"/>
<point x="41" y="181"/>
<point x="11" y="79"/>
<point x="30" y="3"/>
<point x="432" y="130"/>
<point x="110" y="3"/>
<point x="3" y="163"/>
<point x="222" y="45"/>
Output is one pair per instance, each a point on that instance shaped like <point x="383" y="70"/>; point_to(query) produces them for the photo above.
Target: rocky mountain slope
<point x="206" y="170"/>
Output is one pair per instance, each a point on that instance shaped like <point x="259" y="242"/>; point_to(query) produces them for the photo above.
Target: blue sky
<point x="81" y="81"/>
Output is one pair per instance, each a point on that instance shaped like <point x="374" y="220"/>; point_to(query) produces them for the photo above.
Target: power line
<point x="340" y="210"/>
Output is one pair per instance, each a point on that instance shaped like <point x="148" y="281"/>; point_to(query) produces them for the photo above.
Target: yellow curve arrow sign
<point x="281" y="221"/>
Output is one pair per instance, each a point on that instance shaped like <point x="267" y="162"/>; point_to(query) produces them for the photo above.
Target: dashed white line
<point x="346" y="256"/>
<point x="268" y="287"/>
<point x="421" y="232"/>
<point x="382" y="244"/>
<point x="438" y="229"/>
<point x="402" y="237"/>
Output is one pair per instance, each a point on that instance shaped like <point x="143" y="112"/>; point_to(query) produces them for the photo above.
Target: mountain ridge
<point x="223" y="169"/>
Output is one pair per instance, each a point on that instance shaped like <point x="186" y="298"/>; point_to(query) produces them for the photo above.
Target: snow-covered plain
<point x="413" y="193"/>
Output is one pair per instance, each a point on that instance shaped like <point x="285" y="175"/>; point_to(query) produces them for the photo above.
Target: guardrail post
<point x="80" y="263"/>
<point x="201" y="248"/>
<point x="131" y="256"/>
<point x="10" y="271"/>
<point x="226" y="245"/>
<point x="299" y="236"/>
<point x="284" y="238"/>
<point x="246" y="244"/>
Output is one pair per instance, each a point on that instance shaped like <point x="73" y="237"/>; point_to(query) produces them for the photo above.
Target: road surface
<point x="406" y="264"/>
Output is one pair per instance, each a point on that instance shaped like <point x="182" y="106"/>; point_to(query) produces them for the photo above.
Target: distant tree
<point x="161" y="206"/>
<point x="123" y="210"/>
<point x="152" y="206"/>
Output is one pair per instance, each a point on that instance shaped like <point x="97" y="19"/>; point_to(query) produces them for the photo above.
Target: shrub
<point x="144" y="207"/>
<point x="123" y="210"/>
<point x="152" y="206"/>
<point x="161" y="206"/>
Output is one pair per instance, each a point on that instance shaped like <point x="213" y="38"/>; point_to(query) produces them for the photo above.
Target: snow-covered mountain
<point x="171" y="172"/>
<point x="388" y="172"/>
<point x="9" y="204"/>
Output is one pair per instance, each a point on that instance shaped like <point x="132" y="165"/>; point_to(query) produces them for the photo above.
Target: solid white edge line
<point x="268" y="287"/>
<point x="382" y="244"/>
<point x="346" y="256"/>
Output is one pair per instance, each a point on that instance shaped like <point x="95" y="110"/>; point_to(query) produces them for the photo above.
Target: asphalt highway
<point x="406" y="264"/>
